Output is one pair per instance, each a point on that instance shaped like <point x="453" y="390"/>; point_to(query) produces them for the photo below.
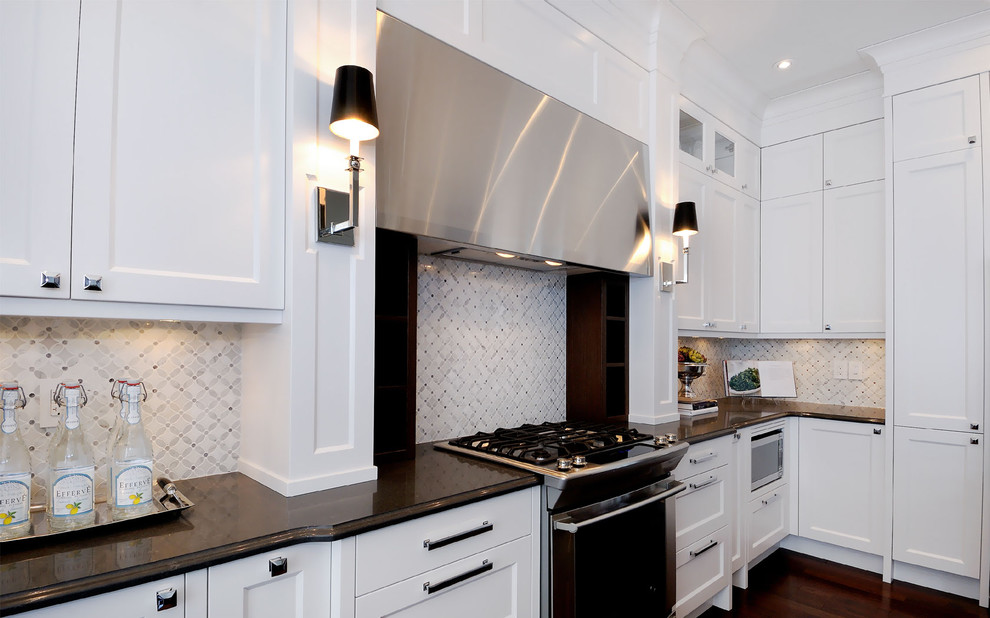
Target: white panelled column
<point x="308" y="383"/>
<point x="652" y="316"/>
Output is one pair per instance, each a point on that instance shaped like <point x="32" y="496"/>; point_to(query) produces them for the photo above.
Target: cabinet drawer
<point x="701" y="509"/>
<point x="392" y="554"/>
<point x="702" y="570"/>
<point x="768" y="520"/>
<point x="497" y="582"/>
<point x="140" y="600"/>
<point x="703" y="457"/>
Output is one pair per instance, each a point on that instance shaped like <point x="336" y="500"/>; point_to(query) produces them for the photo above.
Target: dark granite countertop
<point x="234" y="517"/>
<point x="737" y="412"/>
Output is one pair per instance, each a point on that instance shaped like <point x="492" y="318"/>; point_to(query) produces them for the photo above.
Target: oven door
<point x="598" y="553"/>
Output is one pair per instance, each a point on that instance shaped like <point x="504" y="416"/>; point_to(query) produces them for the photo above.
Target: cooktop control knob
<point x="579" y="461"/>
<point x="564" y="463"/>
<point x="671" y="437"/>
<point x="660" y="441"/>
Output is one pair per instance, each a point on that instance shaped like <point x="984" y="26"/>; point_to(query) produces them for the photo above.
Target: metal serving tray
<point x="168" y="500"/>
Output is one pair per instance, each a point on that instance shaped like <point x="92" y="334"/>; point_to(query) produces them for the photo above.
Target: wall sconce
<point x="353" y="116"/>
<point x="685" y="226"/>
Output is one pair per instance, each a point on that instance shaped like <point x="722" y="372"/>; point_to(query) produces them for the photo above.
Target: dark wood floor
<point x="791" y="584"/>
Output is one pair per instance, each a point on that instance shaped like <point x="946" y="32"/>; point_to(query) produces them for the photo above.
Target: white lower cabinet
<point x="495" y="583"/>
<point x="163" y="597"/>
<point x="841" y="483"/>
<point x="703" y="570"/>
<point x="703" y="507"/>
<point x="938" y="499"/>
<point x="768" y="519"/>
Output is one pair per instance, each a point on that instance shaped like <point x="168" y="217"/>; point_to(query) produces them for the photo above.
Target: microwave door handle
<point x="574" y="526"/>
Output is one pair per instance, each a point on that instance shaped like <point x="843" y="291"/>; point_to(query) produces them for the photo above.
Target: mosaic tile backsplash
<point x="192" y="372"/>
<point x="490" y="347"/>
<point x="812" y="360"/>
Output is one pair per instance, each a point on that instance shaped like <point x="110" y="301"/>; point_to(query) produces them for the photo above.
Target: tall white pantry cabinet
<point x="938" y="332"/>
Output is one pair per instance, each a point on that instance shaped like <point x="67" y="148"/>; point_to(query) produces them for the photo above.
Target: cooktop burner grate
<point x="546" y="442"/>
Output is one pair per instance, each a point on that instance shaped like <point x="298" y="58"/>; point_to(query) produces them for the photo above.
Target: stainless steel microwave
<point x="767" y="458"/>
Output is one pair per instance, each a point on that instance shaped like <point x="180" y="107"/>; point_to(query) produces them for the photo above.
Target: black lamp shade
<point x="354" y="114"/>
<point x="685" y="219"/>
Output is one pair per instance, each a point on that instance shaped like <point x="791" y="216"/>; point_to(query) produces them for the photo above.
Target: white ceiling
<point x="822" y="37"/>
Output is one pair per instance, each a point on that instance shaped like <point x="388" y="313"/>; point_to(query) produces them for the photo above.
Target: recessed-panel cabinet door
<point x="938" y="497"/>
<point x="690" y="297"/>
<point x="792" y="167"/>
<point x="937" y="119"/>
<point x="841" y="497"/>
<point x="791" y="264"/>
<point x="291" y="582"/>
<point x="854" y="154"/>
<point x="37" y="95"/>
<point x="180" y="153"/>
<point x="747" y="265"/>
<point x="718" y="225"/>
<point x="854" y="263"/>
<point x="938" y="328"/>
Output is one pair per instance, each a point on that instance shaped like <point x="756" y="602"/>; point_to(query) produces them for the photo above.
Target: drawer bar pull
<point x="703" y="549"/>
<point x="772" y="498"/>
<point x="278" y="566"/>
<point x="167" y="599"/>
<point x="706" y="457"/>
<point x="483" y="528"/>
<point x="447" y="583"/>
<point x="711" y="479"/>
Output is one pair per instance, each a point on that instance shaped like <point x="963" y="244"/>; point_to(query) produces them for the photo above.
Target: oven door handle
<point x="574" y="526"/>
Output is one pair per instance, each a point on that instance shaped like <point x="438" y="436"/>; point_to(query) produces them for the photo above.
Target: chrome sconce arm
<point x="685" y="226"/>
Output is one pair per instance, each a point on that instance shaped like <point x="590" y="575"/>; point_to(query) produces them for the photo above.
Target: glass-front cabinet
<point x="711" y="147"/>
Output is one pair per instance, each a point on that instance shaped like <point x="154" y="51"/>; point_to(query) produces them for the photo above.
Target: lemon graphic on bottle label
<point x="135" y="498"/>
<point x="73" y="508"/>
<point x="8" y="517"/>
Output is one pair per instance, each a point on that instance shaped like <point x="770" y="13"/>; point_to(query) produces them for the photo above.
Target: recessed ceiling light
<point x="552" y="263"/>
<point x="504" y="255"/>
<point x="783" y="64"/>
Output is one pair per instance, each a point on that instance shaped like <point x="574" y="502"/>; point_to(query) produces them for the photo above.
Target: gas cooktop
<point x="567" y="448"/>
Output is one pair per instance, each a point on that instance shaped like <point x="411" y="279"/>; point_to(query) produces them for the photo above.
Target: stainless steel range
<point x="609" y="528"/>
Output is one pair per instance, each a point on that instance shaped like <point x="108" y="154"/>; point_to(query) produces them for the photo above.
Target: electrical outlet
<point x="855" y="370"/>
<point x="840" y="369"/>
<point x="47" y="411"/>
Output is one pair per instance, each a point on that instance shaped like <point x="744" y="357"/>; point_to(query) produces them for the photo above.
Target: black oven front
<point x="615" y="557"/>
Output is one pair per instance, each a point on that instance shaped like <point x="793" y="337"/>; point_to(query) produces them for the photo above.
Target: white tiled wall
<point x="812" y="360"/>
<point x="490" y="347"/>
<point x="192" y="372"/>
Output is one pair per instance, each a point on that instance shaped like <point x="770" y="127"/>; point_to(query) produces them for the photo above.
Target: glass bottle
<point x="15" y="467"/>
<point x="72" y="466"/>
<point x="116" y="392"/>
<point x="131" y="459"/>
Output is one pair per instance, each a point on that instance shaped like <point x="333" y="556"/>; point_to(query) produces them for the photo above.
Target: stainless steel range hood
<point x="473" y="157"/>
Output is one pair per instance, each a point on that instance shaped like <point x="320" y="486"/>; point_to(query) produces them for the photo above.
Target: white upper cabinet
<point x="722" y="293"/>
<point x="853" y="154"/>
<point x="38" y="43"/>
<point x="180" y="153"/>
<point x="937" y="119"/>
<point x="711" y="147"/>
<point x="792" y="167"/>
<point x="938" y="329"/>
<point x="791" y="264"/>
<point x="853" y="259"/>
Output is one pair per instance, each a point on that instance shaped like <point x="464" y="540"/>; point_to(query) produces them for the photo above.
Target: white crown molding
<point x="930" y="40"/>
<point x="672" y="35"/>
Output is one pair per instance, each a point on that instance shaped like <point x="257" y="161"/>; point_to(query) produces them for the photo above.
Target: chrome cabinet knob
<point x="51" y="280"/>
<point x="166" y="599"/>
<point x="974" y="426"/>
<point x="828" y="327"/>
<point x="876" y="432"/>
<point x="278" y="566"/>
<point x="974" y="440"/>
<point x="828" y="183"/>
<point x="972" y="139"/>
<point x="93" y="282"/>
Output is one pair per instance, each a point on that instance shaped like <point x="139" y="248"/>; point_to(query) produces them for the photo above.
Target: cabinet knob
<point x="167" y="599"/>
<point x="51" y="280"/>
<point x="876" y="432"/>
<point x="746" y="186"/>
<point x="972" y="139"/>
<point x="828" y="327"/>
<point x="93" y="282"/>
<point x="974" y="426"/>
<point x="742" y="327"/>
<point x="828" y="183"/>
<point x="278" y="566"/>
<point x="974" y="440"/>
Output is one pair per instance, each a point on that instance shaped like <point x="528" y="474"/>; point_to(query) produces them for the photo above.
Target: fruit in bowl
<point x="690" y="355"/>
